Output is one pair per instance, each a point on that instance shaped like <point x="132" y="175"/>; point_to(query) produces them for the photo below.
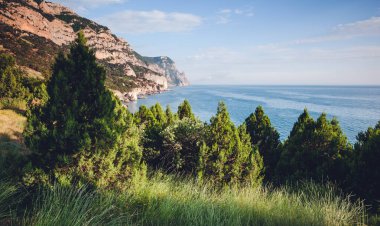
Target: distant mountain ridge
<point x="36" y="30"/>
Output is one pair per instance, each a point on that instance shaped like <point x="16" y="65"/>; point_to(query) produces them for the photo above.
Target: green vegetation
<point x="82" y="132"/>
<point x="315" y="150"/>
<point x="168" y="200"/>
<point x="266" y="139"/>
<point x="82" y="159"/>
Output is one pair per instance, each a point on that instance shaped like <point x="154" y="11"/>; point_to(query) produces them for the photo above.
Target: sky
<point x="283" y="42"/>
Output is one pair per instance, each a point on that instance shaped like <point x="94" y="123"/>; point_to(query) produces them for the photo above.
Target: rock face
<point x="36" y="30"/>
<point x="175" y="77"/>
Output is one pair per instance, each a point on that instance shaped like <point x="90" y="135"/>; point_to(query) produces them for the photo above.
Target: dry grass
<point x="12" y="125"/>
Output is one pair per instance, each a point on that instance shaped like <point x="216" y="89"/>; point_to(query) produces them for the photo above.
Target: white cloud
<point x="224" y="16"/>
<point x="368" y="27"/>
<point x="137" y="22"/>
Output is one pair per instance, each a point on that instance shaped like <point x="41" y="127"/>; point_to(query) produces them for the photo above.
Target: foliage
<point x="8" y="196"/>
<point x="315" y="150"/>
<point x="61" y="205"/>
<point x="265" y="138"/>
<point x="83" y="132"/>
<point x="181" y="146"/>
<point x="366" y="168"/>
<point x="184" y="110"/>
<point x="227" y="156"/>
<point x="182" y="201"/>
<point x="12" y="82"/>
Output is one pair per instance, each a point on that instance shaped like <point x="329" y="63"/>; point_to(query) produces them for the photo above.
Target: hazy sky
<point x="251" y="42"/>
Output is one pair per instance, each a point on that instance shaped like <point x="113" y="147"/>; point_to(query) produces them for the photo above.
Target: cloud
<point x="84" y="5"/>
<point x="138" y="22"/>
<point x="224" y="16"/>
<point x="368" y="27"/>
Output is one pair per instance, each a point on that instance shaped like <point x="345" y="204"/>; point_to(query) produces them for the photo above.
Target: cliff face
<point x="174" y="76"/>
<point x="35" y="31"/>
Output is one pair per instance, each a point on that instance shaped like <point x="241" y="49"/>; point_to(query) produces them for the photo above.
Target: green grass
<point x="69" y="206"/>
<point x="8" y="198"/>
<point x="165" y="200"/>
<point x="170" y="201"/>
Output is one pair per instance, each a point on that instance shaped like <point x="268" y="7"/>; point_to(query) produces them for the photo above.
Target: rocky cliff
<point x="35" y="31"/>
<point x="174" y="76"/>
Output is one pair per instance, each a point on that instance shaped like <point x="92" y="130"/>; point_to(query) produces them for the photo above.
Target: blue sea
<point x="356" y="108"/>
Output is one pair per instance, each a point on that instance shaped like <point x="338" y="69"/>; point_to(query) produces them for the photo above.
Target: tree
<point x="366" y="168"/>
<point x="184" y="110"/>
<point x="315" y="150"/>
<point x="226" y="154"/>
<point x="265" y="138"/>
<point x="170" y="117"/>
<point x="158" y="114"/>
<point x="12" y="81"/>
<point x="180" y="149"/>
<point x="83" y="131"/>
<point x="145" y="117"/>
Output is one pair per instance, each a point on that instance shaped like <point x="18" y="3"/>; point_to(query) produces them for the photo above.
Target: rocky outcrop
<point x="168" y="67"/>
<point x="35" y="31"/>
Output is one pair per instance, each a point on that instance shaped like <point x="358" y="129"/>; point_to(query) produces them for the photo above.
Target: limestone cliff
<point x="174" y="76"/>
<point x="35" y="31"/>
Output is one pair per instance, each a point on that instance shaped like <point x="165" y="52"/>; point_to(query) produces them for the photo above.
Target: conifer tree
<point x="265" y="138"/>
<point x="83" y="131"/>
<point x="158" y="114"/>
<point x="315" y="150"/>
<point x="145" y="117"/>
<point x="184" y="110"/>
<point x="226" y="154"/>
<point x="170" y="117"/>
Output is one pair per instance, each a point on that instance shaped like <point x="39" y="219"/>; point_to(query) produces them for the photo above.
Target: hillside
<point x="35" y="31"/>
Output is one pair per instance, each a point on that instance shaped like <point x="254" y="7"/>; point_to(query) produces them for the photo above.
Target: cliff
<point x="35" y="31"/>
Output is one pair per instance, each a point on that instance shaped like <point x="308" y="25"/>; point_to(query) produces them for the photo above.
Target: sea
<point x="355" y="107"/>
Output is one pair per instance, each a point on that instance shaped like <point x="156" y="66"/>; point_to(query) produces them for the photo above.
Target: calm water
<point x="356" y="108"/>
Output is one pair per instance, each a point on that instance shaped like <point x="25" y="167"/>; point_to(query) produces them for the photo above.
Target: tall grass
<point x="70" y="206"/>
<point x="169" y="201"/>
<point x="165" y="200"/>
<point x="8" y="196"/>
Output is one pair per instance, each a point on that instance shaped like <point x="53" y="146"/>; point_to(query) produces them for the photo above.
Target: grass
<point x="12" y="124"/>
<point x="12" y="148"/>
<point x="8" y="193"/>
<point x="172" y="201"/>
<point x="166" y="200"/>
<point x="69" y="206"/>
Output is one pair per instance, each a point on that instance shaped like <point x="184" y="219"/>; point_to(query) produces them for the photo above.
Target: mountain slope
<point x="35" y="31"/>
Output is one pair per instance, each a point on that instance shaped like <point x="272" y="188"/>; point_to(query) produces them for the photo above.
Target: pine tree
<point x="184" y="110"/>
<point x="315" y="150"/>
<point x="145" y="117"/>
<point x="170" y="117"/>
<point x="158" y="114"/>
<point x="226" y="154"/>
<point x="265" y="138"/>
<point x="83" y="131"/>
